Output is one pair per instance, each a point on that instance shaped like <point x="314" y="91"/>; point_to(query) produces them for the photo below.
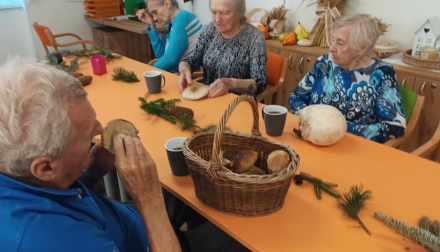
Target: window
<point x="5" y="4"/>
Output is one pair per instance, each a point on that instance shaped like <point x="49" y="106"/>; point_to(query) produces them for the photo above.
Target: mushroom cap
<point x="277" y="160"/>
<point x="114" y="128"/>
<point x="243" y="161"/>
<point x="195" y="91"/>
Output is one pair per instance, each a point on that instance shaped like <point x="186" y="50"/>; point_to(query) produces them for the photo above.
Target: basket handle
<point x="219" y="131"/>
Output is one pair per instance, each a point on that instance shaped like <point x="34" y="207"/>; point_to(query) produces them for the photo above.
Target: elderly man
<point x="46" y="127"/>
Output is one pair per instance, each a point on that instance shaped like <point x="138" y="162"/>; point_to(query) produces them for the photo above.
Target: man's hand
<point x="137" y="170"/>
<point x="219" y="87"/>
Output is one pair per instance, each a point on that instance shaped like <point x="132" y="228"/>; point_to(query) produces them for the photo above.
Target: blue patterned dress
<point x="369" y="98"/>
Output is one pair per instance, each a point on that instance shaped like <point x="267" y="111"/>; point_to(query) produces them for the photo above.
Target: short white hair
<point x="34" y="101"/>
<point x="239" y="7"/>
<point x="365" y="31"/>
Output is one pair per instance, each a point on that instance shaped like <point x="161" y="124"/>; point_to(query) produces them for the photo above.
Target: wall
<point x="15" y="36"/>
<point x="405" y="16"/>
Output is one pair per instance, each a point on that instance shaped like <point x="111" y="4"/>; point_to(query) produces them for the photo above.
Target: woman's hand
<point x="137" y="169"/>
<point x="145" y="18"/>
<point x="219" y="87"/>
<point x="184" y="79"/>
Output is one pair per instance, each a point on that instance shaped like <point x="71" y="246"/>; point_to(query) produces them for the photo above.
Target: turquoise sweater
<point x="171" y="47"/>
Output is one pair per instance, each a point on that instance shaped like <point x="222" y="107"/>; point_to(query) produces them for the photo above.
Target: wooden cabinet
<point x="126" y="43"/>
<point x="423" y="81"/>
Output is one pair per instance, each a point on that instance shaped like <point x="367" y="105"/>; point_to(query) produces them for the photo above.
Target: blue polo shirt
<point x="77" y="219"/>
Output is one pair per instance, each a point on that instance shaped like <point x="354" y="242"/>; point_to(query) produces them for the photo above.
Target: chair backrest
<point x="409" y="99"/>
<point x="274" y="67"/>
<point x="41" y="31"/>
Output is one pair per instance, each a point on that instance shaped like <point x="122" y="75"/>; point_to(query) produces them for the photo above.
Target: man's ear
<point x="41" y="168"/>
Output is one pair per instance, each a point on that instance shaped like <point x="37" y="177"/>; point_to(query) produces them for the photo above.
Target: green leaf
<point x="121" y="74"/>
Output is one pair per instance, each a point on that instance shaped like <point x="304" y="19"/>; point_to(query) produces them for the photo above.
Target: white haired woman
<point x="364" y="89"/>
<point x="46" y="127"/>
<point x="231" y="52"/>
<point x="183" y="28"/>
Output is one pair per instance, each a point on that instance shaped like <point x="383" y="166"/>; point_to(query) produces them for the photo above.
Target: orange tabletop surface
<point x="403" y="186"/>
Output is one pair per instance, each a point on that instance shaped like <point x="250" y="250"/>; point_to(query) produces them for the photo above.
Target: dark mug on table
<point x="154" y="81"/>
<point x="274" y="119"/>
<point x="175" y="156"/>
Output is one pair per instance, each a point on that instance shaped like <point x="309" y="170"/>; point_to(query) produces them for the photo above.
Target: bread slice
<point x="114" y="128"/>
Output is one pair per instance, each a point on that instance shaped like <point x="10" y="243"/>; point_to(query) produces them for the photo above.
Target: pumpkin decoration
<point x="290" y="39"/>
<point x="321" y="124"/>
<point x="264" y="30"/>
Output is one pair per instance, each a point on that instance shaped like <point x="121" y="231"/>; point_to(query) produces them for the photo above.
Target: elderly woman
<point x="46" y="127"/>
<point x="231" y="52"/>
<point x="183" y="28"/>
<point x="364" y="89"/>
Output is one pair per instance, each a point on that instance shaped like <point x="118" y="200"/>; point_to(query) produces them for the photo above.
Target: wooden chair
<point x="412" y="105"/>
<point x="276" y="72"/>
<point x="48" y="39"/>
<point x="429" y="147"/>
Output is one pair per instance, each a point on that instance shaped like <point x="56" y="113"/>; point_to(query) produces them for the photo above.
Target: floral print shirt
<point x="369" y="98"/>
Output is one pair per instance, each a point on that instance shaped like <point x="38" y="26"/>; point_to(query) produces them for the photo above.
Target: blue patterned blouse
<point x="369" y="97"/>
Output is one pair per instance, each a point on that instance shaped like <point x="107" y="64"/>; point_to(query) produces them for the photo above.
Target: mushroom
<point x="243" y="161"/>
<point x="255" y="170"/>
<point x="114" y="128"/>
<point x="277" y="160"/>
<point x="195" y="91"/>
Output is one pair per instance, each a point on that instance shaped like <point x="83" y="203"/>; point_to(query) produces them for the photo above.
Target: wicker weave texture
<point x="418" y="62"/>
<point x="238" y="194"/>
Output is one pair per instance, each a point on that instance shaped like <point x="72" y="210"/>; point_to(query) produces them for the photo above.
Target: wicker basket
<point x="237" y="194"/>
<point x="418" y="62"/>
<point x="385" y="47"/>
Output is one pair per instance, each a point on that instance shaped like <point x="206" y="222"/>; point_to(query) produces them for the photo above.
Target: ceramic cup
<point x="274" y="119"/>
<point x="154" y="81"/>
<point x="175" y="156"/>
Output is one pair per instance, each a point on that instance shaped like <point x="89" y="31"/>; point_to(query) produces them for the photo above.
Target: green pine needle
<point x="52" y="60"/>
<point x="121" y="74"/>
<point x="89" y="53"/>
<point x="420" y="235"/>
<point x="425" y="223"/>
<point x="321" y="185"/>
<point x="352" y="201"/>
<point x="435" y="228"/>
<point x="160" y="107"/>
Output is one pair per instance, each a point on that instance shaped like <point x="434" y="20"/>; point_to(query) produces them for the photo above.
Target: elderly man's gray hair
<point x="365" y="31"/>
<point x="34" y="99"/>
<point x="239" y="9"/>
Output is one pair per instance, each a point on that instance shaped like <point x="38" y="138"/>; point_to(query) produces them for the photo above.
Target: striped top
<point x="171" y="47"/>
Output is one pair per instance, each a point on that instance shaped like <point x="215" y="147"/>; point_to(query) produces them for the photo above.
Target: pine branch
<point x="417" y="234"/>
<point x="425" y="223"/>
<point x="160" y="107"/>
<point x="352" y="202"/>
<point x="121" y="74"/>
<point x="435" y="228"/>
<point x="89" y="53"/>
<point x="318" y="185"/>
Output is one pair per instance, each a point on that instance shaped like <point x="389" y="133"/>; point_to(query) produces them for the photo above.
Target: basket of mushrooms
<point x="239" y="173"/>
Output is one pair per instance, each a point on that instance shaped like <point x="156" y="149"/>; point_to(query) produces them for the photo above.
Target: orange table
<point x="404" y="186"/>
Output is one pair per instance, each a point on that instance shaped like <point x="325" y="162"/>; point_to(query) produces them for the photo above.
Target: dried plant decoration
<point x="383" y="27"/>
<point x="278" y="13"/>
